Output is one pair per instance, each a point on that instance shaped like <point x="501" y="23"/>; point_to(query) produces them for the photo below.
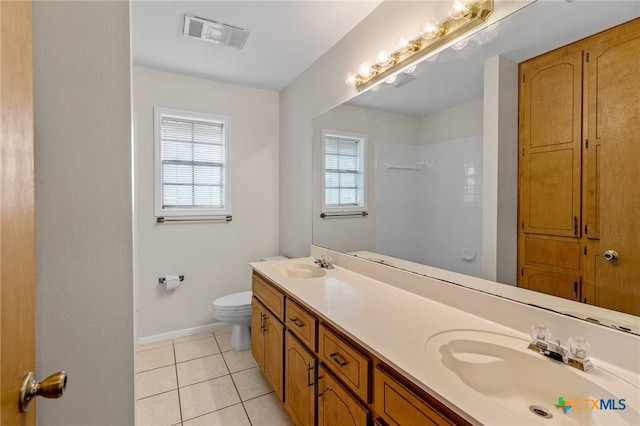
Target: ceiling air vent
<point x="214" y="32"/>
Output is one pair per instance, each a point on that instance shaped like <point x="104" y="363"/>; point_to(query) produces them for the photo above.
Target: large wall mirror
<point x="424" y="137"/>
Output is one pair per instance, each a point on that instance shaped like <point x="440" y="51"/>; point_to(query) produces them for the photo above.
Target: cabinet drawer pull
<point x="309" y="370"/>
<point x="340" y="362"/>
<point x="297" y="322"/>
<point x="318" y="381"/>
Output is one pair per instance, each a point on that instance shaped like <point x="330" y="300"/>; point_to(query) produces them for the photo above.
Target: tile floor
<point x="202" y="381"/>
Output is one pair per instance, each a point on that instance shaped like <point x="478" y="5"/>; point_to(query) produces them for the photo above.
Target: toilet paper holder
<point x="163" y="280"/>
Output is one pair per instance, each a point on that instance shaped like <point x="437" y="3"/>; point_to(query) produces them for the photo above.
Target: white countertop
<point x="395" y="325"/>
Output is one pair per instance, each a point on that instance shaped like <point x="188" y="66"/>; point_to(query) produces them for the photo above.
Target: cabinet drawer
<point x="397" y="405"/>
<point x="301" y="323"/>
<point x="272" y="298"/>
<point x="346" y="362"/>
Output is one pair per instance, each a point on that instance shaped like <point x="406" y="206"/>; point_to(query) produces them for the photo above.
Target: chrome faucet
<point x="324" y="262"/>
<point x="575" y="355"/>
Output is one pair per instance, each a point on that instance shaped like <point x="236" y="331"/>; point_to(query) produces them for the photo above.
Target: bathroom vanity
<point x="342" y="347"/>
<point x="328" y="374"/>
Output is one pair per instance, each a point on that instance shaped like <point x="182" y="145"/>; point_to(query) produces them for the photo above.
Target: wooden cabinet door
<point x="300" y="382"/>
<point x="555" y="283"/>
<point x="550" y="140"/>
<point x="336" y="406"/>
<point x="267" y="345"/>
<point x="614" y="122"/>
<point x="273" y="354"/>
<point x="257" y="332"/>
<point x="591" y="273"/>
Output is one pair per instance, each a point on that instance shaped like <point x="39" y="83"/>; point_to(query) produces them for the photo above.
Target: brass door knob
<point x="51" y="387"/>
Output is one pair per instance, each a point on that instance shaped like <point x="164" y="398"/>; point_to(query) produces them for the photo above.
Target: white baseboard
<point x="181" y="333"/>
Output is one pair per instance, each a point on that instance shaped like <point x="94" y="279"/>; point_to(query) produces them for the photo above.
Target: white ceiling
<point x="286" y="37"/>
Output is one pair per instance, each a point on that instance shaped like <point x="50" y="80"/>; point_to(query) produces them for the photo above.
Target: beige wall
<point x="84" y="277"/>
<point x="453" y="123"/>
<point x="213" y="257"/>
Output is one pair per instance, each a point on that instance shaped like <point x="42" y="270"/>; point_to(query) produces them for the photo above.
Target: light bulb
<point x="459" y="9"/>
<point x="431" y="29"/>
<point x="391" y="80"/>
<point x="351" y="79"/>
<point x="432" y="57"/>
<point x="365" y="70"/>
<point x="460" y="45"/>
<point x="410" y="70"/>
<point x="403" y="42"/>
<point x="375" y="88"/>
<point x="384" y="58"/>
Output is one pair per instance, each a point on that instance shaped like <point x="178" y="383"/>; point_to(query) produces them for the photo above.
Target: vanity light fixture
<point x="384" y="58"/>
<point x="366" y="70"/>
<point x="460" y="45"/>
<point x="432" y="29"/>
<point x="459" y="9"/>
<point x="463" y="16"/>
<point x="410" y="70"/>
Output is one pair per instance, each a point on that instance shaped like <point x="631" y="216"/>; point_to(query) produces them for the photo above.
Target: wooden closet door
<point x="613" y="72"/>
<point x="550" y="140"/>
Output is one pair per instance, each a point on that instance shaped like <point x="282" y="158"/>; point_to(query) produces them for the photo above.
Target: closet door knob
<point x="610" y="255"/>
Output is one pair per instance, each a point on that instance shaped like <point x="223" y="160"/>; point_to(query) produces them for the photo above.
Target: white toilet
<point x="235" y="309"/>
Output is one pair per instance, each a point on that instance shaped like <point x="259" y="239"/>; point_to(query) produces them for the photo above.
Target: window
<point x="343" y="170"/>
<point x="191" y="153"/>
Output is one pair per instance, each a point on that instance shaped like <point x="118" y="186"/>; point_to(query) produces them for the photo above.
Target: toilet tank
<point x="264" y="259"/>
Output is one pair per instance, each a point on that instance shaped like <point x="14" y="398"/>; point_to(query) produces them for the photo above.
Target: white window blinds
<point x="343" y="171"/>
<point x="193" y="163"/>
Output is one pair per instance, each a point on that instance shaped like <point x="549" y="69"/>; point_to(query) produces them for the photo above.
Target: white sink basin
<point x="494" y="372"/>
<point x="300" y="270"/>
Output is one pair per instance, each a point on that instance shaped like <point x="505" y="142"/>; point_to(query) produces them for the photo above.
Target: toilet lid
<point x="236" y="299"/>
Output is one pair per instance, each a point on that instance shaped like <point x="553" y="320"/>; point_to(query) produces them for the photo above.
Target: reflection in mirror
<point x="426" y="154"/>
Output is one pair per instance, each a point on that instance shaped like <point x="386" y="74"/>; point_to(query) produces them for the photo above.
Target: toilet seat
<point x="234" y="302"/>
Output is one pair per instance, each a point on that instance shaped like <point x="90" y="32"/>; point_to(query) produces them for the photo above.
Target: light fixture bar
<point x="404" y="58"/>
